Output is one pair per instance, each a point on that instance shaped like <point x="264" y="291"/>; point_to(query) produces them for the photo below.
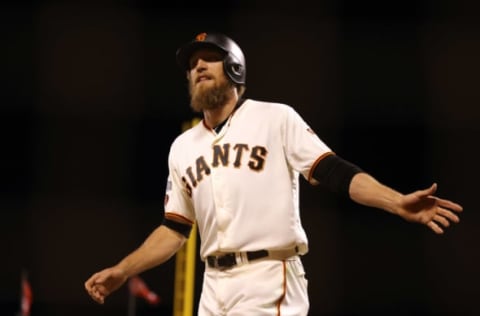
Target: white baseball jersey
<point x="241" y="185"/>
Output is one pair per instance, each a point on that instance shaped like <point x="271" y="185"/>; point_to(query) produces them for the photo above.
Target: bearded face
<point x="210" y="95"/>
<point x="207" y="84"/>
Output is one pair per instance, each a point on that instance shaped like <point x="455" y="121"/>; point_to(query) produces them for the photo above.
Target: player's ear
<point x="188" y="75"/>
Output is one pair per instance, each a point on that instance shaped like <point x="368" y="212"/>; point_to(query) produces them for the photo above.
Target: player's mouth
<point x="203" y="78"/>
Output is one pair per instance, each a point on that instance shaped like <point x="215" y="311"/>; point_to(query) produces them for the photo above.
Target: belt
<point x="228" y="260"/>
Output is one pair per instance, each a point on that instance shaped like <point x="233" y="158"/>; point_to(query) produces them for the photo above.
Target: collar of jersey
<point x="217" y="129"/>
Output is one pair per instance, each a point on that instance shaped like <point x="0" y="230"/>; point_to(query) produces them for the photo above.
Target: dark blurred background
<point x="91" y="99"/>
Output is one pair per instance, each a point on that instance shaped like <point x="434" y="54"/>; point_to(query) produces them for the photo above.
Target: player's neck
<point x="216" y="116"/>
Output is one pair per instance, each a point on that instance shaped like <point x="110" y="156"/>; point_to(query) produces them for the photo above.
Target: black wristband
<point x="181" y="228"/>
<point x="336" y="174"/>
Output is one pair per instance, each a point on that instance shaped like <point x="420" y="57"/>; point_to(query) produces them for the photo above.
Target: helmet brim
<point x="185" y="52"/>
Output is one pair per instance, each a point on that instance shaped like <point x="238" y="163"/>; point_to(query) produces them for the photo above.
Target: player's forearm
<point x="160" y="246"/>
<point x="366" y="190"/>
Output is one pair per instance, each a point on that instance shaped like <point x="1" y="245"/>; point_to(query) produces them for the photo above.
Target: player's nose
<point x="200" y="64"/>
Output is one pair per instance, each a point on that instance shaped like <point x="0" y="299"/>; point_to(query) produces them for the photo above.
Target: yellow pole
<point x="185" y="265"/>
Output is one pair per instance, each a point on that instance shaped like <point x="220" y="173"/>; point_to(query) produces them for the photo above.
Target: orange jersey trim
<point x="178" y="218"/>
<point x="310" y="173"/>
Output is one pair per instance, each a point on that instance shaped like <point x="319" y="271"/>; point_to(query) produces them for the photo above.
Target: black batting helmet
<point x="233" y="63"/>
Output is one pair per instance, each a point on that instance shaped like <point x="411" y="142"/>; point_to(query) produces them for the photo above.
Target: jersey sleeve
<point x="178" y="203"/>
<point x="303" y="148"/>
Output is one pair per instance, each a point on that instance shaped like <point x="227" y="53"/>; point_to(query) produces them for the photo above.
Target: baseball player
<point x="236" y="174"/>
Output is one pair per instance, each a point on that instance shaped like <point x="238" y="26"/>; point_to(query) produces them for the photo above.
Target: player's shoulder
<point x="269" y="106"/>
<point x="190" y="134"/>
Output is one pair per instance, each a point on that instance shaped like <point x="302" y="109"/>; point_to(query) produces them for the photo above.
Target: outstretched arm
<point x="162" y="244"/>
<point x="420" y="206"/>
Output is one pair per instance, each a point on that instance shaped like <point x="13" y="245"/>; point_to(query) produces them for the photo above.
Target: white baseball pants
<point x="259" y="288"/>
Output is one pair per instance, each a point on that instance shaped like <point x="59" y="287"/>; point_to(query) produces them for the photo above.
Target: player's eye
<point x="194" y="62"/>
<point x="207" y="56"/>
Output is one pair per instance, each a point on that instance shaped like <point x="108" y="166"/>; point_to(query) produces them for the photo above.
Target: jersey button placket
<point x="217" y="192"/>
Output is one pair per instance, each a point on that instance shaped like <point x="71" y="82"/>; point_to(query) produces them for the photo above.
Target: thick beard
<point x="209" y="98"/>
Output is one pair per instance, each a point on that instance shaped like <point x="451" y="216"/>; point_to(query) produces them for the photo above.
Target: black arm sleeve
<point x="181" y="228"/>
<point x="336" y="174"/>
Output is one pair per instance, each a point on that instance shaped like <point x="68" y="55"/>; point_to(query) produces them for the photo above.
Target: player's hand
<point x="103" y="283"/>
<point x="423" y="207"/>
